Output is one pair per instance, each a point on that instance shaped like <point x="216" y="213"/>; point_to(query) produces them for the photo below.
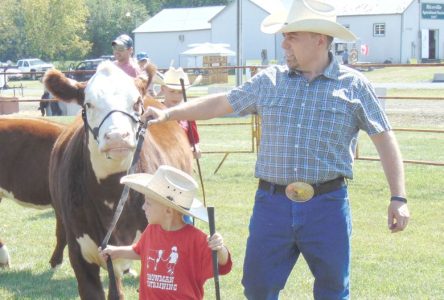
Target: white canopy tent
<point x="209" y="49"/>
<point x="206" y="49"/>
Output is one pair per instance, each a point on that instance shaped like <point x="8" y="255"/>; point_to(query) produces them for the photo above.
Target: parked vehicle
<point x="13" y="72"/>
<point x="107" y="57"/>
<point x="34" y="67"/>
<point x="84" y="70"/>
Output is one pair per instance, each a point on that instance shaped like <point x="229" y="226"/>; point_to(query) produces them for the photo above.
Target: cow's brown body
<point x="85" y="203"/>
<point x="26" y="146"/>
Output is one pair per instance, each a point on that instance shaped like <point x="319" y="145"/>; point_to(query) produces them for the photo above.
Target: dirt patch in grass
<point x="423" y="114"/>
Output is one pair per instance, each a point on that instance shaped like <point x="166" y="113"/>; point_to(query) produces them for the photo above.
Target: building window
<point x="379" y="29"/>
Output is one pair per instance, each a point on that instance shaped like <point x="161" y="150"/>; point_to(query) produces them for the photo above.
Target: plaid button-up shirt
<point x="309" y="129"/>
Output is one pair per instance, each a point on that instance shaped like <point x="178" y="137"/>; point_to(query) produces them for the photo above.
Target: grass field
<point x="406" y="265"/>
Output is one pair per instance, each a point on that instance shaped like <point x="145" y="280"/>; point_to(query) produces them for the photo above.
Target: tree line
<point x="74" y="30"/>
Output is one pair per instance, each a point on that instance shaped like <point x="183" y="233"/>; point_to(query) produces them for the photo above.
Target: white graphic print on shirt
<point x="160" y="270"/>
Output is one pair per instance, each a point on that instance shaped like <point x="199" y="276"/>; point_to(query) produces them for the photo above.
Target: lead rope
<point x="113" y="294"/>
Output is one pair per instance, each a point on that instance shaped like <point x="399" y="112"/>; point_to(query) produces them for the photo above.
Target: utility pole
<point x="239" y="72"/>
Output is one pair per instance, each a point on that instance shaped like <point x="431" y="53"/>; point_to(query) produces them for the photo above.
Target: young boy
<point x="176" y="257"/>
<point x="172" y="90"/>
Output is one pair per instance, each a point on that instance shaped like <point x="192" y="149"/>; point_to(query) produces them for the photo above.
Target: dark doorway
<point x="433" y="42"/>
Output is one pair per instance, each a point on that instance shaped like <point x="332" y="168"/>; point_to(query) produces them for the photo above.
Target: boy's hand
<point x="107" y="252"/>
<point x="197" y="154"/>
<point x="216" y="242"/>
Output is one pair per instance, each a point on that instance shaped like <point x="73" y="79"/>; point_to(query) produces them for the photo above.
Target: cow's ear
<point x="144" y="81"/>
<point x="63" y="88"/>
<point x="141" y="83"/>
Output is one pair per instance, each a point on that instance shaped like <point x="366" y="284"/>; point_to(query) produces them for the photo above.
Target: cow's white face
<point x="113" y="104"/>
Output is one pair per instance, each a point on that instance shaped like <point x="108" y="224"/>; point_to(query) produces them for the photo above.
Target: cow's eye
<point x="138" y="106"/>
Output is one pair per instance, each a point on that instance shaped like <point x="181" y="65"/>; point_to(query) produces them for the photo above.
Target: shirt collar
<point x="332" y="70"/>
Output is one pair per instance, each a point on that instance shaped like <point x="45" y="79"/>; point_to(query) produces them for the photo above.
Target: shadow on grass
<point x="49" y="214"/>
<point x="28" y="285"/>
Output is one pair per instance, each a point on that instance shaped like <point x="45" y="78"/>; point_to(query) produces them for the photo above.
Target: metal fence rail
<point x="254" y="122"/>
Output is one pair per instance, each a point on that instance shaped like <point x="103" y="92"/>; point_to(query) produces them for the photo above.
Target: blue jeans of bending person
<point x="281" y="230"/>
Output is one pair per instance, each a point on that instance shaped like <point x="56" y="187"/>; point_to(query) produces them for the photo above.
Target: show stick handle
<point x="211" y="222"/>
<point x="113" y="294"/>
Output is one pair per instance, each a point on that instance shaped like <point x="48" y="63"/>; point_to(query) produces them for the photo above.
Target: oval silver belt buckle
<point x="299" y="191"/>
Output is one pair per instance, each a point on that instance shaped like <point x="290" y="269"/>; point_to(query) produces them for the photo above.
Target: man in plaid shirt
<point x="311" y="110"/>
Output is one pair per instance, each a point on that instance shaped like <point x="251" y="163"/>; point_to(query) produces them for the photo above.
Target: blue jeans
<point x="280" y="230"/>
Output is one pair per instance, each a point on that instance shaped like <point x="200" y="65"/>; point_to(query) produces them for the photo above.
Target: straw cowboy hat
<point x="172" y="77"/>
<point x="309" y="16"/>
<point x="171" y="187"/>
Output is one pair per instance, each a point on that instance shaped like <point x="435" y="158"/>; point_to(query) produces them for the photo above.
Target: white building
<point x="398" y="31"/>
<point x="168" y="33"/>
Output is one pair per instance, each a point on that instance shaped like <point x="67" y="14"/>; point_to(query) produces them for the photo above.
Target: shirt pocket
<point x="335" y="119"/>
<point x="333" y="112"/>
<point x="276" y="110"/>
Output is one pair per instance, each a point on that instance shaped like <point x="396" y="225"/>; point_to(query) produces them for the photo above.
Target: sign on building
<point x="432" y="11"/>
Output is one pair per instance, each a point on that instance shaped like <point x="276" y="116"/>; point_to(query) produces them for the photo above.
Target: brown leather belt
<point x="319" y="189"/>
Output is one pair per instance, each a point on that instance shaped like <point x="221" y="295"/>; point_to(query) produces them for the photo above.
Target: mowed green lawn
<point x="407" y="265"/>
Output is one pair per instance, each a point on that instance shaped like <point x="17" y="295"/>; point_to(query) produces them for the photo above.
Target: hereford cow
<point x="26" y="145"/>
<point x="89" y="159"/>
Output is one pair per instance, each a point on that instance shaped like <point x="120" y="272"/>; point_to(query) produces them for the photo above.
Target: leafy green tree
<point x="110" y="18"/>
<point x="55" y="29"/>
<point x="9" y="30"/>
<point x="63" y="29"/>
<point x="49" y="29"/>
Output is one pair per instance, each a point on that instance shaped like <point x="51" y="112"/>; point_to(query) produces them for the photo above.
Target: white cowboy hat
<point x="307" y="15"/>
<point x="172" y="77"/>
<point x="171" y="187"/>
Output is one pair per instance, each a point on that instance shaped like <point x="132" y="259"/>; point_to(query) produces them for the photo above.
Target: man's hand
<point x="154" y="115"/>
<point x="398" y="216"/>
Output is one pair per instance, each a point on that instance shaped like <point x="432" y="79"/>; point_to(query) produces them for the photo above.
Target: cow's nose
<point x="113" y="135"/>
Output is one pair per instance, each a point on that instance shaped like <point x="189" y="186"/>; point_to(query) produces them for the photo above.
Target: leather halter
<point x="95" y="130"/>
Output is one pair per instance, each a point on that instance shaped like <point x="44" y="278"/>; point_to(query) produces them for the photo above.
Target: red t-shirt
<point x="195" y="138"/>
<point x="175" y="264"/>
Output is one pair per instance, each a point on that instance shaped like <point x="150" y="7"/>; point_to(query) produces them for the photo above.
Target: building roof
<point x="370" y="7"/>
<point x="348" y="7"/>
<point x="199" y="18"/>
<point x="270" y="6"/>
<point x="180" y="19"/>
